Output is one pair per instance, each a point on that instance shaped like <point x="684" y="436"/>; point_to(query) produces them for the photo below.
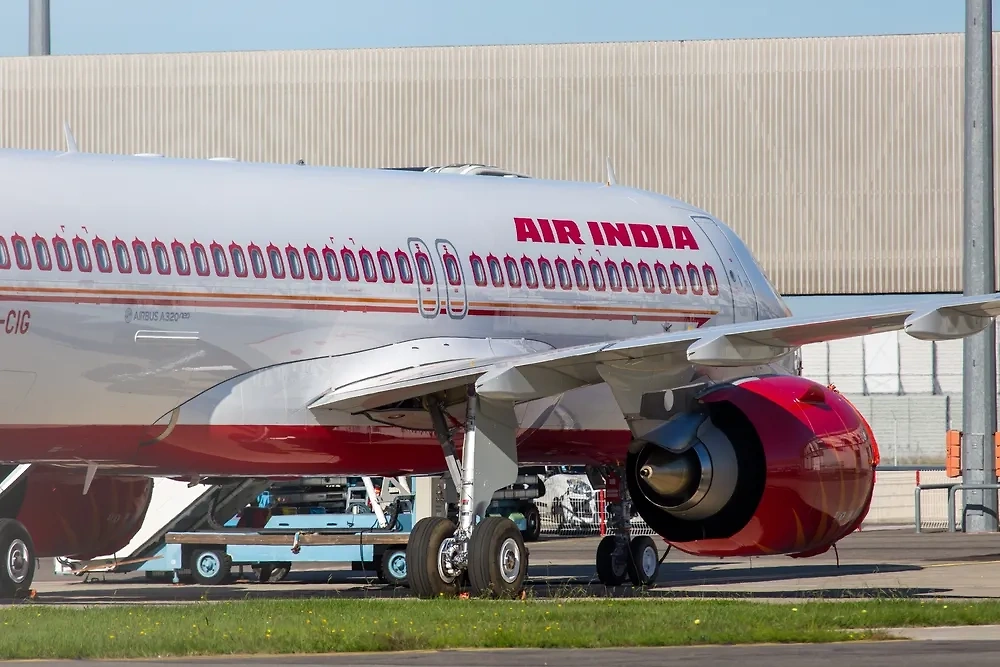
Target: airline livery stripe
<point x="207" y="299"/>
<point x="369" y="305"/>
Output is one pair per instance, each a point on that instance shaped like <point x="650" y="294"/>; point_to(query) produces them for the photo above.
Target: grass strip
<point x="323" y="626"/>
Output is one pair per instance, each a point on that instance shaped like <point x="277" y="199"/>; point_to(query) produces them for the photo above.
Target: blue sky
<point x="142" y="26"/>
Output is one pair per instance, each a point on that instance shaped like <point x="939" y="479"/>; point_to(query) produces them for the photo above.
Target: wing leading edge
<point x="539" y="374"/>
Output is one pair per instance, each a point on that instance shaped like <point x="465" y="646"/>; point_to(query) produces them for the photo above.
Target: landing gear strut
<point x="486" y="552"/>
<point x="620" y="556"/>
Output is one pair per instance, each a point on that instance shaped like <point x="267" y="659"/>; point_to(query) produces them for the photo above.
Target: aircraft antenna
<point x="611" y="180"/>
<point x="71" y="146"/>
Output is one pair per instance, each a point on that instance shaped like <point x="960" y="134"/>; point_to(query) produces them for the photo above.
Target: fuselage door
<point x="744" y="299"/>
<point x="428" y="292"/>
<point x="453" y="282"/>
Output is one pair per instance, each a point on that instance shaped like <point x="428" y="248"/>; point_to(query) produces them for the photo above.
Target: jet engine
<point x="759" y="466"/>
<point x="62" y="521"/>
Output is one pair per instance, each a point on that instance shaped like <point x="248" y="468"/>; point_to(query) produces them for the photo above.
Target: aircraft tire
<point x="612" y="568"/>
<point x="644" y="564"/>
<point x="17" y="569"/>
<point x="498" y="560"/>
<point x="423" y="555"/>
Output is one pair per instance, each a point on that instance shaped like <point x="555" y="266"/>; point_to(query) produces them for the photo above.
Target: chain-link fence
<point x="572" y="507"/>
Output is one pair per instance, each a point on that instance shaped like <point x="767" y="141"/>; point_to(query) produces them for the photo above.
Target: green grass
<point x="321" y="626"/>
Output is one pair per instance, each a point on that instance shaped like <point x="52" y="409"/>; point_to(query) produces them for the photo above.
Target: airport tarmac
<point x="883" y="654"/>
<point x="872" y="563"/>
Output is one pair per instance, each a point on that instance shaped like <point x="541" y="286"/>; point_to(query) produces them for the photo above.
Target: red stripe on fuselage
<point x="284" y="450"/>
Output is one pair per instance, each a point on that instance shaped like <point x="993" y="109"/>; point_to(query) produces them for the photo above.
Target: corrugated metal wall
<point x="839" y="160"/>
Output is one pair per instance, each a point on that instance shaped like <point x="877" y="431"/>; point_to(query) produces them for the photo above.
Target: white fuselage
<point x="130" y="287"/>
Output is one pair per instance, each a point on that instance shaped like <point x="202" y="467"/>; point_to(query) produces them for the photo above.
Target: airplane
<point x="192" y="318"/>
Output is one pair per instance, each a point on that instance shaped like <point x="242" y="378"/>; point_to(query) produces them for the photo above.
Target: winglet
<point x="611" y="172"/>
<point x="71" y="146"/>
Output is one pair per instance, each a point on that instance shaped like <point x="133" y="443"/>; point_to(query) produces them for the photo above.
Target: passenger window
<point x="64" y="259"/>
<point x="42" y="254"/>
<point x="631" y="281"/>
<point x="513" y="275"/>
<point x="82" y="252"/>
<point x="597" y="275"/>
<point x="219" y="260"/>
<point x="548" y="277"/>
<point x="385" y="263"/>
<point x="711" y="281"/>
<point x="4" y="254"/>
<point x="257" y="261"/>
<point x="239" y="261"/>
<point x="646" y="277"/>
<point x="614" y="277"/>
<point x="161" y="257"/>
<point x="405" y="269"/>
<point x="453" y="273"/>
<point x="478" y="270"/>
<point x="662" y="278"/>
<point x="21" y="254"/>
<point x="496" y="273"/>
<point x="368" y="266"/>
<point x="530" y="276"/>
<point x="181" y="259"/>
<point x="695" y="279"/>
<point x="121" y="256"/>
<point x="142" y="262"/>
<point x="680" y="284"/>
<point x="200" y="258"/>
<point x="313" y="264"/>
<point x="294" y="263"/>
<point x="565" y="279"/>
<point x="424" y="269"/>
<point x="350" y="265"/>
<point x="102" y="256"/>
<point x="277" y="263"/>
<point x="581" y="275"/>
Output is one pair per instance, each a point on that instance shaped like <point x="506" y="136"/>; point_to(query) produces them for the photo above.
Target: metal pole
<point x="979" y="382"/>
<point x="39" y="32"/>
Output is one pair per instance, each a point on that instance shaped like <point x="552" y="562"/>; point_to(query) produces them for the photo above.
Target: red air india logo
<point x="632" y="234"/>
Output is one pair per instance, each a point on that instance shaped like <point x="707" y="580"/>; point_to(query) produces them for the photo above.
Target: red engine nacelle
<point x="62" y="521"/>
<point x="768" y="465"/>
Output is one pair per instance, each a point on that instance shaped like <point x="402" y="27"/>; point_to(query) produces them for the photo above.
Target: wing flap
<point x="537" y="374"/>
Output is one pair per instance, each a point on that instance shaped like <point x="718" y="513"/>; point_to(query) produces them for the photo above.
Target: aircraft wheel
<point x="17" y="570"/>
<point x="425" y="567"/>
<point x="533" y="522"/>
<point x="612" y="566"/>
<point x="392" y="569"/>
<point x="645" y="563"/>
<point x="210" y="567"/>
<point x="498" y="560"/>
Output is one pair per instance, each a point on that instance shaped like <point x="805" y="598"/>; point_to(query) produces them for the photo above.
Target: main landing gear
<point x="485" y="554"/>
<point x="620" y="556"/>
<point x="17" y="567"/>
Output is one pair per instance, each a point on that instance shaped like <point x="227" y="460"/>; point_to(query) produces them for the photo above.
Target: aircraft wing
<point x="535" y="375"/>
